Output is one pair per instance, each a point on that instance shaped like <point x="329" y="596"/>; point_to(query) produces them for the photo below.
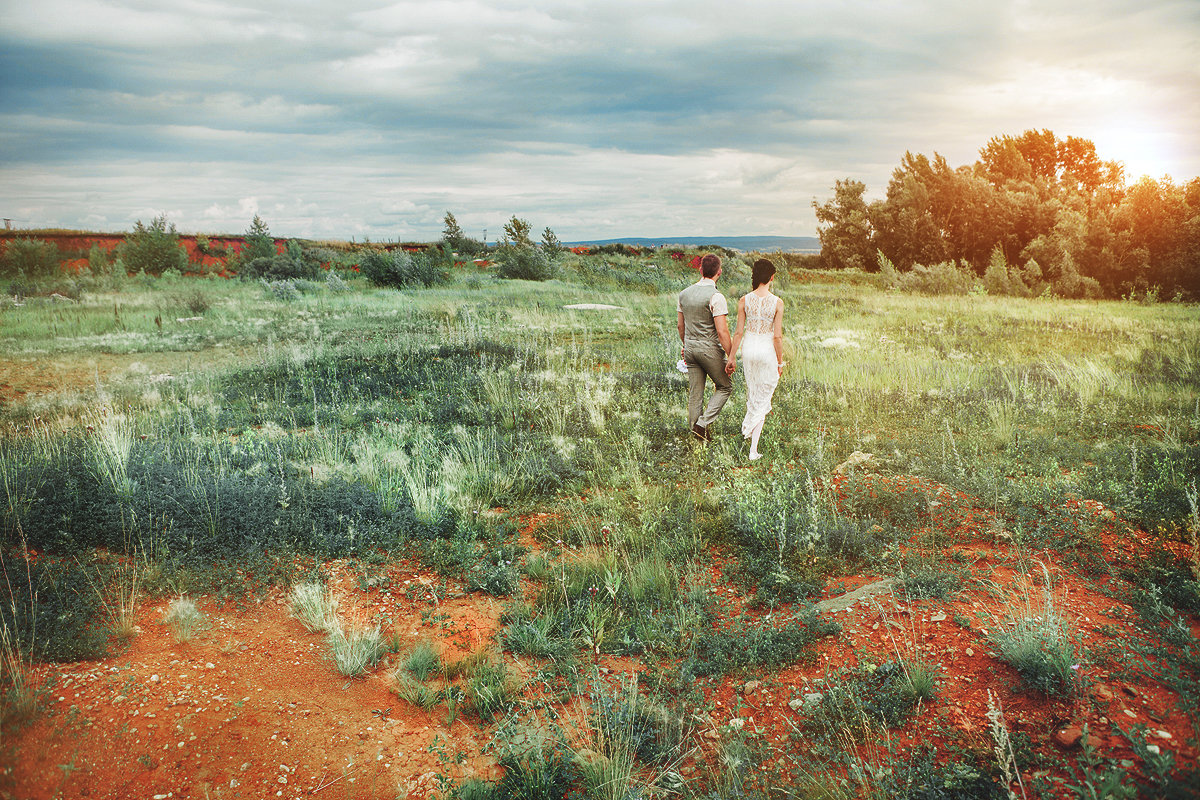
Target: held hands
<point x="730" y="365"/>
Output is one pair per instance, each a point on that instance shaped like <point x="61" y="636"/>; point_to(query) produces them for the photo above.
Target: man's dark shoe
<point x="701" y="433"/>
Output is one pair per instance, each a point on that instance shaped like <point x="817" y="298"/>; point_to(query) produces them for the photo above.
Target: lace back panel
<point x="760" y="313"/>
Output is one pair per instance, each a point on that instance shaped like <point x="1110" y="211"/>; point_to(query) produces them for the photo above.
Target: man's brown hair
<point x="710" y="265"/>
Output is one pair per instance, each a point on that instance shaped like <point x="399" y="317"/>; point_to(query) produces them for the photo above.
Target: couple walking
<point x="709" y="351"/>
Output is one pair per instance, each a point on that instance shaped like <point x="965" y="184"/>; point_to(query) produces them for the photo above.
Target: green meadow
<point x="536" y="453"/>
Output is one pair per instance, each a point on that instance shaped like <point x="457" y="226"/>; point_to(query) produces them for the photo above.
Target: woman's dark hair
<point x="761" y="272"/>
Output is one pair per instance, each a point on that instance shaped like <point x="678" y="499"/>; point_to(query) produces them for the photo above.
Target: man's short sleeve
<point x="719" y="307"/>
<point x="679" y="302"/>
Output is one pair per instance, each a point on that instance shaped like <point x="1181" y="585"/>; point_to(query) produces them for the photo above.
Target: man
<point x="703" y="316"/>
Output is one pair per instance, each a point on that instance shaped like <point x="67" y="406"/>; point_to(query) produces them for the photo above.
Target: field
<point x="335" y="540"/>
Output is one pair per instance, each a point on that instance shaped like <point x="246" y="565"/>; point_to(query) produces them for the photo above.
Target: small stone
<point x="751" y="686"/>
<point x="969" y="652"/>
<point x="1153" y="748"/>
<point x="1129" y="690"/>
<point x="737" y="723"/>
<point x="1162" y="734"/>
<point x="1068" y="736"/>
<point x="154" y="678"/>
<point x="1129" y="713"/>
<point x="795" y="704"/>
<point x="210" y="665"/>
<point x="940" y="616"/>
<point x="1102" y="693"/>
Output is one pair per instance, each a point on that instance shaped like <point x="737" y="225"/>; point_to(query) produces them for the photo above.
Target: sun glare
<point x="1143" y="149"/>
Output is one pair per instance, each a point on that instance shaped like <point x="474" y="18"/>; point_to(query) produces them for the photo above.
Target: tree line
<point x="1035" y="214"/>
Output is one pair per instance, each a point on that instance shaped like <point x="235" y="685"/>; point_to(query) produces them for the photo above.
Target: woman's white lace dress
<point x="759" y="363"/>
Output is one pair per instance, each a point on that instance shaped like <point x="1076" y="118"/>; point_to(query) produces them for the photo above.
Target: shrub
<point x="30" y="258"/>
<point x="196" y="302"/>
<point x="153" y="248"/>
<point x="399" y="269"/>
<point x="51" y="612"/>
<point x="296" y="262"/>
<point x="284" y="291"/>
<point x="939" y="279"/>
<point x="524" y="263"/>
<point x="336" y="284"/>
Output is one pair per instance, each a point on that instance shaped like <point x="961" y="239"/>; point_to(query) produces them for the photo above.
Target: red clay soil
<point x="199" y="262"/>
<point x="250" y="707"/>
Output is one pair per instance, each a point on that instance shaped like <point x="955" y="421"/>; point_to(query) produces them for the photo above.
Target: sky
<point x="370" y="120"/>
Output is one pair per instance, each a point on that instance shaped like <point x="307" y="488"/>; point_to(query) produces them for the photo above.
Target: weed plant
<point x="414" y="691"/>
<point x="50" y="610"/>
<point x="790" y="534"/>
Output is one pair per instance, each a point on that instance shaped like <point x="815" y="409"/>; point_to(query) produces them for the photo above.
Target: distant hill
<point x="762" y="244"/>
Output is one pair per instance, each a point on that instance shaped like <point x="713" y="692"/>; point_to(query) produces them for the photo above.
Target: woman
<point x="760" y="333"/>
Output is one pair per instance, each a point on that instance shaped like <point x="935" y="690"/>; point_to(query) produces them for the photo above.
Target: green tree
<point x="844" y="228"/>
<point x="452" y="234"/>
<point x="906" y="230"/>
<point x="153" y="248"/>
<point x="516" y="231"/>
<point x="258" y="242"/>
<point x="551" y="246"/>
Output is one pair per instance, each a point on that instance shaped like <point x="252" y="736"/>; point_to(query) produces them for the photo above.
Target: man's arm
<point x="722" y="323"/>
<point x="681" y="329"/>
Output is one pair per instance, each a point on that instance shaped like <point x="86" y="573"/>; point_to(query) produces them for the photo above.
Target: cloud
<point x="598" y="119"/>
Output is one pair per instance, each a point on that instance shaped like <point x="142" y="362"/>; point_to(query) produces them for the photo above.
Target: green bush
<point x="296" y="262"/>
<point x="51" y="609"/>
<point x="939" y="279"/>
<point x="400" y="269"/>
<point x="524" y="263"/>
<point x="746" y="645"/>
<point x="30" y="258"/>
<point x="153" y="248"/>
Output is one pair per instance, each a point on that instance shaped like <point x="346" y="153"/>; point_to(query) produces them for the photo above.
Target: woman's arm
<point x="777" y="331"/>
<point x="741" y="328"/>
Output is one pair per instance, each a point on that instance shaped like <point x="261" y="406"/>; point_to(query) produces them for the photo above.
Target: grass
<point x="1036" y="639"/>
<point x="358" y="430"/>
<point x="312" y="604"/>
<point x="184" y="618"/>
<point x="354" y="648"/>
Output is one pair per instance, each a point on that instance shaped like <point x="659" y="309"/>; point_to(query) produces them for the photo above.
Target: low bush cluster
<point x="524" y="262"/>
<point x="399" y="269"/>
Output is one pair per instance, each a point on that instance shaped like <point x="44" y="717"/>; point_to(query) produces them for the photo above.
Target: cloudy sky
<point x="599" y="119"/>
